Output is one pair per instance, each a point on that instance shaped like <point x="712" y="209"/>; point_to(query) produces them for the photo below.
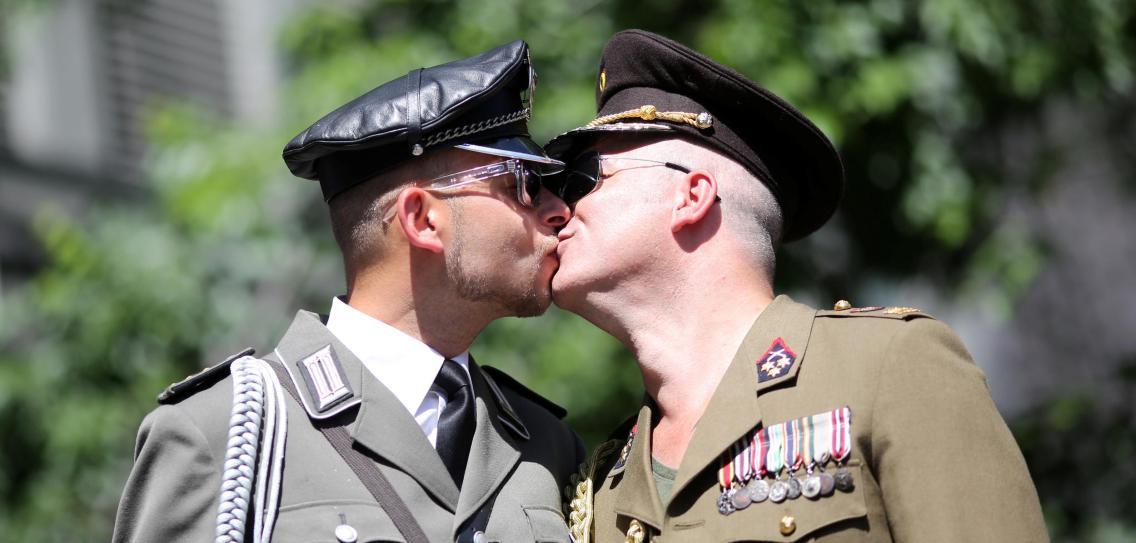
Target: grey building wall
<point x="81" y="76"/>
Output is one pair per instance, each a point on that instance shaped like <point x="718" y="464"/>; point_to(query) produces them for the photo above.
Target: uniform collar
<point x="733" y="409"/>
<point x="637" y="496"/>
<point x="403" y="364"/>
<point x="494" y="455"/>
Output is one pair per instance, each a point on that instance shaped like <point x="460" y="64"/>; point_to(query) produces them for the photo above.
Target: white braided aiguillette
<point x="258" y="412"/>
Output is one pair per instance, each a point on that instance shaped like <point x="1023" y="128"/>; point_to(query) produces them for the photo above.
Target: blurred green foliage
<point x="226" y="246"/>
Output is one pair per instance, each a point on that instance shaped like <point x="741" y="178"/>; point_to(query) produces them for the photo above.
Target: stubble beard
<point x="520" y="298"/>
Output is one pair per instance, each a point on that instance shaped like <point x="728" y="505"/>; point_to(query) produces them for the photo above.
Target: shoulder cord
<point x="635" y="532"/>
<point x="258" y="403"/>
<point x="581" y="506"/>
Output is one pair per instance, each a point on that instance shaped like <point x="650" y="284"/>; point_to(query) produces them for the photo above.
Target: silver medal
<point x="724" y="505"/>
<point x="739" y="498"/>
<point x="794" y="488"/>
<point x="843" y="480"/>
<point x="758" y="490"/>
<point x="827" y="484"/>
<point x="811" y="487"/>
<point x="778" y="491"/>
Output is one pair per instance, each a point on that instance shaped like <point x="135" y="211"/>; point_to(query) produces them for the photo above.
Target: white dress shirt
<point x="400" y="362"/>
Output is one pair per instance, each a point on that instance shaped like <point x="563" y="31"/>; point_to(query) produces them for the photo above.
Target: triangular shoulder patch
<point x="200" y="380"/>
<point x="505" y="380"/>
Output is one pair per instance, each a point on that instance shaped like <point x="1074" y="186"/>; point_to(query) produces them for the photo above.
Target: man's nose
<point x="552" y="210"/>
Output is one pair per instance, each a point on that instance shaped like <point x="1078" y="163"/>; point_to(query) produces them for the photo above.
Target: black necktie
<point x="457" y="422"/>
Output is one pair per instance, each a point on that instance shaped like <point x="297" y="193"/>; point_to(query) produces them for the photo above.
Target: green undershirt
<point x="664" y="478"/>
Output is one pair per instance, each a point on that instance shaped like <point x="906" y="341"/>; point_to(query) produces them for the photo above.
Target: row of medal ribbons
<point x="792" y="455"/>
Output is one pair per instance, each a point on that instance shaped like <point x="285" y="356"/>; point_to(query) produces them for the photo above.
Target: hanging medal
<point x="838" y="445"/>
<point x="775" y="460"/>
<point x="725" y="481"/>
<point x="842" y="449"/>
<point x="816" y="454"/>
<point x="792" y="458"/>
<point x="757" y="488"/>
<point x="739" y="496"/>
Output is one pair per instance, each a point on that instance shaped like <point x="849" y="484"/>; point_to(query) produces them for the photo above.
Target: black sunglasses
<point x="584" y="175"/>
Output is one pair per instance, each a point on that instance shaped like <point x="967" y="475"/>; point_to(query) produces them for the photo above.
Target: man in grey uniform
<point x="435" y="195"/>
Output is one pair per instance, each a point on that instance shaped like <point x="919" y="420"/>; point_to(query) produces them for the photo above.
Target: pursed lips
<point x="562" y="236"/>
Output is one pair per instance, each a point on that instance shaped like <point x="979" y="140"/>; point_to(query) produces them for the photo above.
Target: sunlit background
<point x="149" y="228"/>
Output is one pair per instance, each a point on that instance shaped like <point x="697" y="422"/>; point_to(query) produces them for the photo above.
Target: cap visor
<point x="573" y="141"/>
<point x="517" y="147"/>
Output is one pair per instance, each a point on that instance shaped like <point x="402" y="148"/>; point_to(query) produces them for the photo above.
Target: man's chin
<point x="562" y="292"/>
<point x="532" y="306"/>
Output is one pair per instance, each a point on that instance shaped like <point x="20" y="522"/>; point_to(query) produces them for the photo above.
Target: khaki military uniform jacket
<point x="519" y="462"/>
<point x="931" y="458"/>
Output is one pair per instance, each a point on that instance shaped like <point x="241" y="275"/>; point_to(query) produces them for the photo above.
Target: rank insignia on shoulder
<point x="876" y="311"/>
<point x="776" y="361"/>
<point x="325" y="379"/>
<point x="901" y="310"/>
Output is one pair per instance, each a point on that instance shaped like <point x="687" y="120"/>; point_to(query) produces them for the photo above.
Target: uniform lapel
<point x="382" y="425"/>
<point x="494" y="451"/>
<point x="637" y="496"/>
<point x="733" y="410"/>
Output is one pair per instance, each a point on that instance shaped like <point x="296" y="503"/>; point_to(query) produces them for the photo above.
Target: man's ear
<point x="695" y="196"/>
<point x="418" y="213"/>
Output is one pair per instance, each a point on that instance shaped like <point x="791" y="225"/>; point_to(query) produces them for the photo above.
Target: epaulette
<point x="845" y="309"/>
<point x="200" y="380"/>
<point x="505" y="380"/>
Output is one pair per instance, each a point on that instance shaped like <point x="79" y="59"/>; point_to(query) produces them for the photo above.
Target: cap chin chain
<point x="479" y="126"/>
<point x="257" y="433"/>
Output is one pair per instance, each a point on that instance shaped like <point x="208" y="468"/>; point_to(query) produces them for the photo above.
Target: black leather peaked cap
<point x="481" y="103"/>
<point x="655" y="86"/>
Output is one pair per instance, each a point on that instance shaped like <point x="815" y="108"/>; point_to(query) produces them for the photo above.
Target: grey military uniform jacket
<point x="520" y="459"/>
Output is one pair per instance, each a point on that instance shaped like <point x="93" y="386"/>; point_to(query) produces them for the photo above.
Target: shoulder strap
<point x="367" y="472"/>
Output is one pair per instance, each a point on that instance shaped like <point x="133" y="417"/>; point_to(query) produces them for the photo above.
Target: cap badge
<point x="603" y="80"/>
<point x="776" y="361"/>
<point x="325" y="378"/>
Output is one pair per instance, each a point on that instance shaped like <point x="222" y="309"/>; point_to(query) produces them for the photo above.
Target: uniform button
<point x="788" y="525"/>
<point x="344" y="533"/>
<point x="842" y="305"/>
<point x="479" y="537"/>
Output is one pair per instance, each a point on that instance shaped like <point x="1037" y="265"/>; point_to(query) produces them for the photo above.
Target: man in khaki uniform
<point x="764" y="419"/>
<point x="374" y="423"/>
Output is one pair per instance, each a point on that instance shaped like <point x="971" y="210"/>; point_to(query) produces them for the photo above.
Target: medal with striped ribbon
<point x="842" y="449"/>
<point x="725" y="481"/>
